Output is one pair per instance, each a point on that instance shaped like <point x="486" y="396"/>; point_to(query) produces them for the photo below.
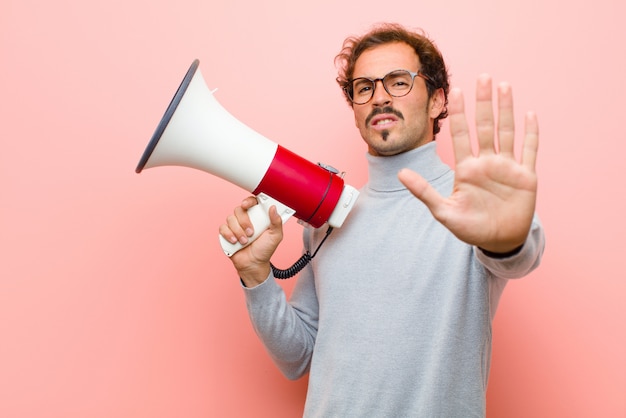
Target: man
<point x="393" y="316"/>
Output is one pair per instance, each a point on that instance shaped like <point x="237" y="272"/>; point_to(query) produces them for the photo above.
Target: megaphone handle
<point x="260" y="218"/>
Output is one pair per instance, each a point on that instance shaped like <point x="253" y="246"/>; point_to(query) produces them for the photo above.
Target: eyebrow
<point x="388" y="72"/>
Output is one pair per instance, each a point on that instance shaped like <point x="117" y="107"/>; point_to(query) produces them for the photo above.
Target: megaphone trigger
<point x="259" y="216"/>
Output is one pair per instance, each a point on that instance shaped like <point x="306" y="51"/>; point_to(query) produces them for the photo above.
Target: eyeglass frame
<point x="375" y="81"/>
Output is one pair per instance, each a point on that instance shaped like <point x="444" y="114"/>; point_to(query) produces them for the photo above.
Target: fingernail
<point x="249" y="232"/>
<point x="243" y="240"/>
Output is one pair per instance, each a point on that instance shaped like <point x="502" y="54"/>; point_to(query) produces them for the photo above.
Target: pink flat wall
<point x="115" y="299"/>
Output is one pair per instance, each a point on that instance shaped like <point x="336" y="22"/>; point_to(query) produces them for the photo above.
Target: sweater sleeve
<point x="287" y="329"/>
<point x="523" y="262"/>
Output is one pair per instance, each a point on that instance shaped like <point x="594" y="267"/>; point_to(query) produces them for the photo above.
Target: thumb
<point x="420" y="188"/>
<point x="276" y="222"/>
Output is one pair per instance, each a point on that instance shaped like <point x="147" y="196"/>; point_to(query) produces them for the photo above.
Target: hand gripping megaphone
<point x="197" y="132"/>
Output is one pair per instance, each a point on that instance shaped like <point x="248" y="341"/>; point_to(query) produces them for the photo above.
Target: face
<point x="393" y="125"/>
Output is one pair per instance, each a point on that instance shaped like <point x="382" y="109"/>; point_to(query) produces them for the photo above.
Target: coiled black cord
<point x="301" y="263"/>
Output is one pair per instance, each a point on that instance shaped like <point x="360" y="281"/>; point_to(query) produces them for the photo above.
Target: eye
<point x="399" y="81"/>
<point x="362" y="86"/>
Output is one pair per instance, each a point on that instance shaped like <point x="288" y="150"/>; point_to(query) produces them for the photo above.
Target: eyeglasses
<point x="397" y="83"/>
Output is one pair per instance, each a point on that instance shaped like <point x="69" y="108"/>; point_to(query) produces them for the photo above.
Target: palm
<point x="493" y="200"/>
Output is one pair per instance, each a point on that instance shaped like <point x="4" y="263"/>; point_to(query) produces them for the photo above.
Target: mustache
<point x="382" y="110"/>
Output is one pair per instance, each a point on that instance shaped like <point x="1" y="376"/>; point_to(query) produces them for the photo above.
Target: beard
<point x="380" y="111"/>
<point x="389" y="142"/>
<point x="400" y="138"/>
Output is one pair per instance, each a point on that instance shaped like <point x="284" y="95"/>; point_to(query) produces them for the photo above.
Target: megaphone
<point x="197" y="132"/>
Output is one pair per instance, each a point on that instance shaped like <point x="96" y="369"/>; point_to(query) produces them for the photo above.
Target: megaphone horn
<point x="197" y="132"/>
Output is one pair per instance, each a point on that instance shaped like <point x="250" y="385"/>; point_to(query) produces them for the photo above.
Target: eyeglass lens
<point x="397" y="83"/>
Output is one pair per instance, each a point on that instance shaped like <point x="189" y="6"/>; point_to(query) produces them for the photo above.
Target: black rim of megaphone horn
<point x="165" y="120"/>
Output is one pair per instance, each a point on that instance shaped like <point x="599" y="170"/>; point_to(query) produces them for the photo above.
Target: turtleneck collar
<point x="383" y="171"/>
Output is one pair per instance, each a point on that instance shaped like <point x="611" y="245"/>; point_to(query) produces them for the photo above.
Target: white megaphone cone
<point x="197" y="132"/>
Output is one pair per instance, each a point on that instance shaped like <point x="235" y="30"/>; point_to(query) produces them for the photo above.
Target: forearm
<point x="287" y="334"/>
<point x="519" y="263"/>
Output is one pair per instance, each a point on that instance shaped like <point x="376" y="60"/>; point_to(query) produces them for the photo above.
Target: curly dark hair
<point x="429" y="55"/>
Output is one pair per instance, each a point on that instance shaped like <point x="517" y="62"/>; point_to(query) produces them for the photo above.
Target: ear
<point x="437" y="103"/>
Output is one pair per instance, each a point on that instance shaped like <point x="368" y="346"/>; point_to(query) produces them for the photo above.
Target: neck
<point x="383" y="170"/>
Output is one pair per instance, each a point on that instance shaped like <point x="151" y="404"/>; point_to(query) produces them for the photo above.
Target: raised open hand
<point x="493" y="200"/>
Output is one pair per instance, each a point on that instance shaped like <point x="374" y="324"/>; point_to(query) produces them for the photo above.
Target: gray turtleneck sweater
<point x="393" y="317"/>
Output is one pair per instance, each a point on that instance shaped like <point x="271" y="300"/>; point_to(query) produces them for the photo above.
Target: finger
<point x="421" y="189"/>
<point x="506" y="120"/>
<point x="459" y="130"/>
<point x="484" y="115"/>
<point x="531" y="141"/>
<point x="232" y="231"/>
<point x="228" y="234"/>
<point x="240" y="224"/>
<point x="244" y="221"/>
<point x="248" y="202"/>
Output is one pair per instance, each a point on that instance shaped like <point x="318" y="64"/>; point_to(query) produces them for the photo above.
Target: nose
<point x="380" y="96"/>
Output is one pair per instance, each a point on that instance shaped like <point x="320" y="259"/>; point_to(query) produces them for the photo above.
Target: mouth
<point x="383" y="122"/>
<point x="383" y="118"/>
